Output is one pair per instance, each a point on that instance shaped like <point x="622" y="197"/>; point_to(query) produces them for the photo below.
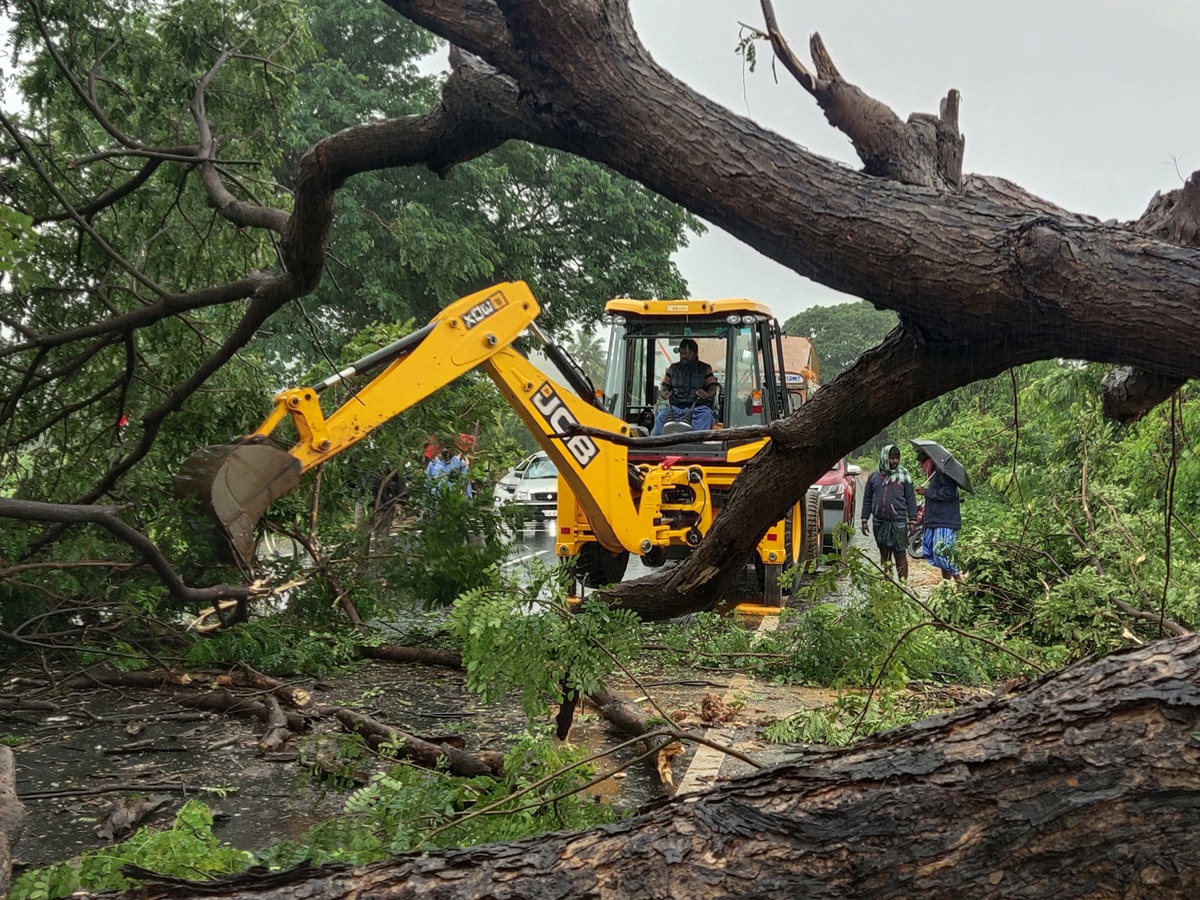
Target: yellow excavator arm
<point x="237" y="482"/>
<point x="456" y="341"/>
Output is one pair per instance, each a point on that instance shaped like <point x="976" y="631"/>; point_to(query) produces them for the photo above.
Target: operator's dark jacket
<point x="941" y="503"/>
<point x="889" y="502"/>
<point x="683" y="379"/>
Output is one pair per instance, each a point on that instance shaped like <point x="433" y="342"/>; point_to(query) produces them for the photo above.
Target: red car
<point x="838" y="491"/>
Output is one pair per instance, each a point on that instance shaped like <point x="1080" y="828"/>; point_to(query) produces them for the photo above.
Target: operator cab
<point x="740" y="339"/>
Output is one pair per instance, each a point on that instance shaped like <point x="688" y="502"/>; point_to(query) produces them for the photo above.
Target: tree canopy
<point x="122" y="351"/>
<point x="841" y="332"/>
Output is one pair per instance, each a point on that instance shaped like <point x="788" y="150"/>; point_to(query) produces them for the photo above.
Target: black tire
<point x="916" y="548"/>
<point x="810" y="546"/>
<point x="655" y="558"/>
<point x="596" y="567"/>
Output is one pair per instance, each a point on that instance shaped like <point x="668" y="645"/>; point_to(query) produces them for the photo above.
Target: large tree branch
<point x="927" y="150"/>
<point x="898" y="375"/>
<point x="246" y="215"/>
<point x="982" y="279"/>
<point x="953" y="264"/>
<point x="477" y="26"/>
<point x="107" y="518"/>
<point x="1128" y="391"/>
<point x="478" y="112"/>
<point x="1084" y="782"/>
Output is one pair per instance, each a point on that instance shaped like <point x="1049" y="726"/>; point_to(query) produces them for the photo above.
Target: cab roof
<point x="669" y="308"/>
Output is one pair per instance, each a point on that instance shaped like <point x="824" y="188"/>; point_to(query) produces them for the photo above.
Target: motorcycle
<point x="916" y="538"/>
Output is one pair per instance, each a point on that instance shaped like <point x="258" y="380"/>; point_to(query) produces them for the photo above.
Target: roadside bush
<point x="280" y="645"/>
<point x="527" y="638"/>
<point x="454" y="544"/>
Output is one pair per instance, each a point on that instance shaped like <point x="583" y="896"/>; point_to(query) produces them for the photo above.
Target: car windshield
<point x="541" y="467"/>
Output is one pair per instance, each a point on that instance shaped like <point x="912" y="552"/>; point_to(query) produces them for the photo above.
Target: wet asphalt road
<point x="535" y="542"/>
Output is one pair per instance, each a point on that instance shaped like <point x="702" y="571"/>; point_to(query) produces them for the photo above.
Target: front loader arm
<point x="477" y="332"/>
<point x="597" y="471"/>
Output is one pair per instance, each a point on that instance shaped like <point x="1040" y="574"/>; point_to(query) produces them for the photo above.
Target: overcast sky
<point x="1092" y="105"/>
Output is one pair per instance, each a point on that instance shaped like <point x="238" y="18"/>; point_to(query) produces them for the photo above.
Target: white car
<point x="533" y="484"/>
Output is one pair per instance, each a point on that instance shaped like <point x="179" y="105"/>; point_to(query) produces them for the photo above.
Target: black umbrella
<point x="945" y="462"/>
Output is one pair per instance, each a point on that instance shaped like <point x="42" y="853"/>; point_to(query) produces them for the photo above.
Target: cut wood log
<point x="152" y="679"/>
<point x="127" y="813"/>
<point x="422" y="752"/>
<point x="293" y="696"/>
<point x="1084" y="784"/>
<point x="277" y="731"/>
<point x="223" y="701"/>
<point x="624" y="715"/>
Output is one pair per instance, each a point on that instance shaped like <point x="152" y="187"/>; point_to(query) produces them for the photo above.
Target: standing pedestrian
<point x="445" y="466"/>
<point x="941" y="520"/>
<point x="890" y="506"/>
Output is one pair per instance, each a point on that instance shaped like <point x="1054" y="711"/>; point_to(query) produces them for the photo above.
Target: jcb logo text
<point x="547" y="402"/>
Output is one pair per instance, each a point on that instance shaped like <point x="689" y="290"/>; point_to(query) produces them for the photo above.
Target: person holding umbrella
<point x="942" y="517"/>
<point x="890" y="506"/>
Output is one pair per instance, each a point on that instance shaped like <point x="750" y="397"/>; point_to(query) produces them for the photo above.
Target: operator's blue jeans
<point x="702" y="417"/>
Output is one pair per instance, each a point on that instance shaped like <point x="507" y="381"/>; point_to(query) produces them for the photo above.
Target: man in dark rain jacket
<point x="890" y="505"/>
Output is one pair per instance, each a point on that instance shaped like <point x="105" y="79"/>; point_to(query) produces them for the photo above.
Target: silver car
<point x="533" y="484"/>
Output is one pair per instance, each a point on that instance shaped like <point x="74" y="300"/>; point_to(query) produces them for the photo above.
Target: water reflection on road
<point x="533" y="543"/>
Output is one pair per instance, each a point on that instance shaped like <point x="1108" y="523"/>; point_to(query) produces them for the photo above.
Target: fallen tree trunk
<point x="1084" y="784"/>
<point x="12" y="817"/>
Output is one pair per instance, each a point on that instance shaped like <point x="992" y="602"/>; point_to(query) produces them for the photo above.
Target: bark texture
<point x="12" y="817"/>
<point x="1085" y="784"/>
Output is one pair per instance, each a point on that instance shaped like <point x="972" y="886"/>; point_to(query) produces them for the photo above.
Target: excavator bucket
<point x="234" y="484"/>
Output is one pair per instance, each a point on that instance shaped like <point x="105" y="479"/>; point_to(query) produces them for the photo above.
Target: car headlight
<point x="524" y="496"/>
<point x="832" y="489"/>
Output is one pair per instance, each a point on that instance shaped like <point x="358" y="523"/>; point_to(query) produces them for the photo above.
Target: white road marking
<point x="705" y="766"/>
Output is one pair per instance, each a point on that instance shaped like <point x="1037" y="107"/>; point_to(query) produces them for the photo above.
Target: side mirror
<point x="853" y="470"/>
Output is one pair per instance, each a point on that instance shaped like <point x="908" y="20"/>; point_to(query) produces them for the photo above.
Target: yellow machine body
<point x="612" y="502"/>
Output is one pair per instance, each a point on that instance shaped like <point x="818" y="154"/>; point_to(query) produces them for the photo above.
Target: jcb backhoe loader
<point x="612" y="501"/>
